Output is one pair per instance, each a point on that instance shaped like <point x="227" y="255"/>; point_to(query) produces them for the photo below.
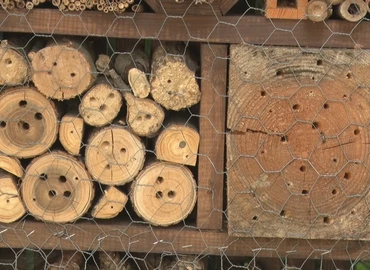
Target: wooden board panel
<point x="297" y="153"/>
<point x="293" y="9"/>
<point x="212" y="137"/>
<point x="171" y="8"/>
<point x="230" y="29"/>
<point x="131" y="237"/>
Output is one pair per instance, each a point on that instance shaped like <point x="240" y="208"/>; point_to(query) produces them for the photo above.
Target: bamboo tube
<point x="138" y="8"/>
<point x="29" y="5"/>
<point x="71" y="7"/>
<point x="56" y="3"/>
<point x="130" y="2"/>
<point x="82" y="7"/>
<point x="100" y="7"/>
<point x="11" y="5"/>
<point x="77" y="3"/>
<point x="106" y="10"/>
<point x="21" y="4"/>
<point x="318" y="10"/>
<point x="35" y="2"/>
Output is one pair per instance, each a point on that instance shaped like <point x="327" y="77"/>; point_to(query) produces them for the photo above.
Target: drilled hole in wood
<point x="148" y="116"/>
<point x="283" y="213"/>
<point x="315" y="125"/>
<point x="353" y="212"/>
<point x="328" y="220"/>
<point x="296" y="107"/>
<point x="49" y="72"/>
<point x="22" y="104"/>
<point x="313" y="78"/>
<point x="52" y="193"/>
<point x="159" y="180"/>
<point x="302" y="168"/>
<point x="62" y="179"/>
<point x="111" y="95"/>
<point x="356" y="131"/>
<point x="67" y="194"/>
<point x="92" y="99"/>
<point x="7" y="201"/>
<point x="334" y="192"/>
<point x="2" y="124"/>
<point x="305" y="192"/>
<point x="326" y="106"/>
<point x="255" y="218"/>
<point x="319" y="62"/>
<point x="105" y="145"/>
<point x="284" y="139"/>
<point x="73" y="74"/>
<point x="290" y="184"/>
<point x="169" y="81"/>
<point x="71" y="132"/>
<point x="8" y="61"/>
<point x="107" y="167"/>
<point x="139" y="118"/>
<point x="182" y="144"/>
<point x="159" y="195"/>
<point x="34" y="199"/>
<point x="349" y="74"/>
<point x="123" y="150"/>
<point x="335" y="160"/>
<point x="103" y="107"/>
<point x="24" y="125"/>
<point x="38" y="116"/>
<point x="54" y="64"/>
<point x="262" y="152"/>
<point x="344" y="96"/>
<point x="347" y="175"/>
<point x="263" y="93"/>
<point x="353" y="9"/>
<point x="170" y="93"/>
<point x="270" y="111"/>
<point x="76" y="178"/>
<point x="171" y="194"/>
<point x="280" y="73"/>
<point x="43" y="176"/>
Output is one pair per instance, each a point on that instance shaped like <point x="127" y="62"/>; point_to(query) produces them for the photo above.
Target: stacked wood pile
<point x="74" y="131"/>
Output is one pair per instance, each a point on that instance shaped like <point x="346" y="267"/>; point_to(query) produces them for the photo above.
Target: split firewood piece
<point x="100" y="105"/>
<point x="69" y="260"/>
<point x="110" y="204"/>
<point x="71" y="133"/>
<point x="139" y="83"/>
<point x="14" y="69"/>
<point x="352" y="10"/>
<point x="318" y="10"/>
<point x="28" y="122"/>
<point x="179" y="144"/>
<point x="136" y="59"/>
<point x="113" y="261"/>
<point x="164" y="193"/>
<point x="11" y="165"/>
<point x="173" y="81"/>
<point x="64" y="70"/>
<point x="103" y="64"/>
<point x="11" y="205"/>
<point x="114" y="155"/>
<point x="57" y="188"/>
<point x="118" y="81"/>
<point x="144" y="116"/>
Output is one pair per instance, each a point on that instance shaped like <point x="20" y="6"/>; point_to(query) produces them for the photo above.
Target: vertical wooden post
<point x="212" y="137"/>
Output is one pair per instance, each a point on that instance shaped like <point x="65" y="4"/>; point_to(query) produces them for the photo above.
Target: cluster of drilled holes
<point x="24" y="125"/>
<point x="182" y="144"/>
<point x="38" y="116"/>
<point x="328" y="220"/>
<point x="147" y="117"/>
<point x="22" y="103"/>
<point x="159" y="194"/>
<point x="2" y="124"/>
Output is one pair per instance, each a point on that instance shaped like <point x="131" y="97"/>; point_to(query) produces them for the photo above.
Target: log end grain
<point x="318" y="10"/>
<point x="11" y="165"/>
<point x="163" y="188"/>
<point x="110" y="204"/>
<point x="57" y="188"/>
<point x="71" y="132"/>
<point x="352" y="10"/>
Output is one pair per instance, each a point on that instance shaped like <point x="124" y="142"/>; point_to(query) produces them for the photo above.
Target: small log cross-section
<point x="57" y="188"/>
<point x="139" y="83"/>
<point x="164" y="193"/>
<point x="11" y="205"/>
<point x="64" y="70"/>
<point x="110" y="204"/>
<point x="144" y="116"/>
<point x="286" y="9"/>
<point x="14" y="69"/>
<point x="178" y="143"/>
<point x="71" y="133"/>
<point x="352" y="10"/>
<point x="318" y="10"/>
<point x="173" y="80"/>
<point x="114" y="155"/>
<point x="11" y="165"/>
<point x="100" y="105"/>
<point x="28" y="122"/>
<point x="68" y="260"/>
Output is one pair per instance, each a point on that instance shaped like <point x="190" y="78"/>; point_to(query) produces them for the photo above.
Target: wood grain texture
<point x="297" y="142"/>
<point x="233" y="29"/>
<point x="212" y="138"/>
<point x="171" y="8"/>
<point x="226" y="5"/>
<point x="127" y="236"/>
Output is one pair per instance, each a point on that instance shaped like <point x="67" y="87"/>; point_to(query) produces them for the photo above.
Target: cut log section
<point x="11" y="165"/>
<point x="110" y="204"/>
<point x="164" y="193"/>
<point x="318" y="10"/>
<point x="28" y="122"/>
<point x="14" y="69"/>
<point x="71" y="133"/>
<point x="69" y="260"/>
<point x="11" y="205"/>
<point x="179" y="144"/>
<point x="139" y="83"/>
<point x="352" y="10"/>
<point x="173" y="81"/>
<point x="114" y="155"/>
<point x="137" y="59"/>
<point x="63" y="71"/>
<point x="144" y="116"/>
<point x="100" y="105"/>
<point x="57" y="188"/>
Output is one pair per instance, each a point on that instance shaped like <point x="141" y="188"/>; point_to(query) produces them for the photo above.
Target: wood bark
<point x="173" y="81"/>
<point x="71" y="132"/>
<point x="63" y="71"/>
<point x="14" y="68"/>
<point x="110" y="204"/>
<point x="28" y="122"/>
<point x="318" y="10"/>
<point x="178" y="143"/>
<point x="139" y="83"/>
<point x="113" y="261"/>
<point x="103" y="64"/>
<point x="114" y="155"/>
<point x="11" y="205"/>
<point x="57" y="188"/>
<point x="11" y="165"/>
<point x="69" y="260"/>
<point x="162" y="188"/>
<point x="136" y="59"/>
<point x="352" y="10"/>
<point x="100" y="105"/>
<point x="144" y="116"/>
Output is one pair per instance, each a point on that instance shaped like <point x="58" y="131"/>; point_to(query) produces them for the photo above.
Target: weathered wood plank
<point x="211" y="130"/>
<point x="226" y="5"/>
<point x="231" y="29"/>
<point x="131" y="237"/>
<point x="171" y="8"/>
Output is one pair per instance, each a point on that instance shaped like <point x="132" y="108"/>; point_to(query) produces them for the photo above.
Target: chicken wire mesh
<point x="164" y="150"/>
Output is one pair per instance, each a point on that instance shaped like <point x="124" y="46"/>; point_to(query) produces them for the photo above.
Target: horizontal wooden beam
<point x="131" y="237"/>
<point x="227" y="29"/>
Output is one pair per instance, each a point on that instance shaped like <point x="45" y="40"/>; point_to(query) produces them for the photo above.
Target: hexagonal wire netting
<point x="183" y="135"/>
